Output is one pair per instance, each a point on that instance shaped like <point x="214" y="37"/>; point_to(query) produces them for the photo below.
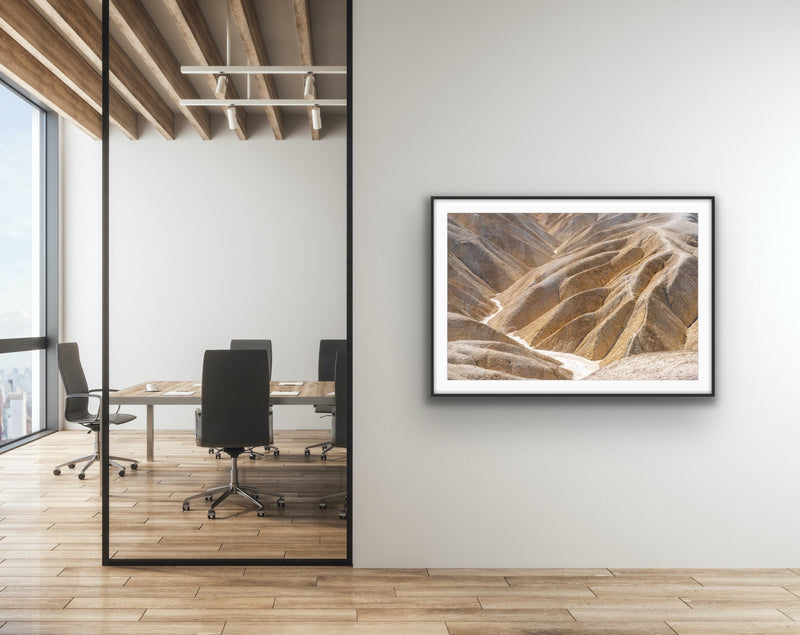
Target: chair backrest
<point x="328" y="349"/>
<point x="235" y="402"/>
<point x="71" y="370"/>
<point x="341" y="425"/>
<point x="254" y="345"/>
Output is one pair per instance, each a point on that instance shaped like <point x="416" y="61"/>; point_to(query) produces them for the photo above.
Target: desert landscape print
<point x="571" y="297"/>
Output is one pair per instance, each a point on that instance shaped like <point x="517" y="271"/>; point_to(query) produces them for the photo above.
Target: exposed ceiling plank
<point x="302" y="21"/>
<point x="244" y="16"/>
<point x="31" y="31"/>
<point x="37" y="79"/>
<point x="84" y="31"/>
<point x="194" y="29"/>
<point x="138" y="27"/>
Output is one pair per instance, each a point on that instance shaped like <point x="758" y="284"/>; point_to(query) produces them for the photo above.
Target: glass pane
<point x="20" y="169"/>
<point x="20" y="395"/>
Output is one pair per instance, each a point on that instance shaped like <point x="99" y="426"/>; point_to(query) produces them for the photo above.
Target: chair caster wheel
<point x="217" y="456"/>
<point x="252" y="457"/>
<point x="323" y="505"/>
<point x="211" y="514"/>
<point x="57" y="472"/>
<point x="323" y="457"/>
<point x="81" y="476"/>
<point x="121" y="472"/>
<point x="209" y="498"/>
<point x="308" y="452"/>
<point x="256" y="496"/>
<point x="134" y="466"/>
<point x="261" y="513"/>
<point x="277" y="452"/>
<point x="186" y="506"/>
<point x="71" y="466"/>
<point x="281" y="502"/>
<point x="211" y="450"/>
<point x="343" y="515"/>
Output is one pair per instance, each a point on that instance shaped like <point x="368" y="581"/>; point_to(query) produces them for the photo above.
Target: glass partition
<point x="224" y="234"/>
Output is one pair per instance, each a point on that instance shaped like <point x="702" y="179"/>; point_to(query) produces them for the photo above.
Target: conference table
<point x="190" y="393"/>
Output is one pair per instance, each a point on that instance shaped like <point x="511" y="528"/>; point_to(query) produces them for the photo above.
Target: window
<point x="25" y="239"/>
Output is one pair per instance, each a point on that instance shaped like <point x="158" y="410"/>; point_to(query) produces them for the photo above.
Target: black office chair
<point x="326" y="371"/>
<point x="76" y="409"/>
<point x="259" y="345"/>
<point x="233" y="415"/>
<point x="341" y="423"/>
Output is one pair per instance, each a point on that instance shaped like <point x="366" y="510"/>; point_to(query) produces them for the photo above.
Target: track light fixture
<point x="316" y="117"/>
<point x="309" y="87"/>
<point x="222" y="86"/>
<point x="230" y="113"/>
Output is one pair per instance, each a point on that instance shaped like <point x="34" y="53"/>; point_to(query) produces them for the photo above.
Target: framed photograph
<point x="573" y="296"/>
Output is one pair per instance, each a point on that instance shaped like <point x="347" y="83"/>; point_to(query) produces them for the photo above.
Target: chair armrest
<point x="83" y="394"/>
<point x="89" y="394"/>
<point x="101" y="390"/>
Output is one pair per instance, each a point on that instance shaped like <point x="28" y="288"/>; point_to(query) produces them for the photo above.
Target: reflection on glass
<point x="20" y="395"/>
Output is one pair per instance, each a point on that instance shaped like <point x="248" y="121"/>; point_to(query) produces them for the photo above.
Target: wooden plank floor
<point x="51" y="580"/>
<point x="147" y="519"/>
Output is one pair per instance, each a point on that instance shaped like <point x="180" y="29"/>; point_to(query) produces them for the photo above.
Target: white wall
<point x="209" y="241"/>
<point x="526" y="97"/>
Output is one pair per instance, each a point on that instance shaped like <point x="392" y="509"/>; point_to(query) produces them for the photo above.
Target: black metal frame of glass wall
<point x="48" y="149"/>
<point x="104" y="430"/>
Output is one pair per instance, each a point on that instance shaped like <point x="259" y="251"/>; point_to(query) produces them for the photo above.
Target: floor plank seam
<point x="790" y="591"/>
<point x="574" y="619"/>
<point x="669" y="626"/>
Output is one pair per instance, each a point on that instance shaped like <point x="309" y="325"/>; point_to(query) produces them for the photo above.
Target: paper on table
<point x="286" y="392"/>
<point x="179" y="393"/>
<point x="290" y="383"/>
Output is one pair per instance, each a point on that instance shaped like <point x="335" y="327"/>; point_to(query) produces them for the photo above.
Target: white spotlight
<point x="230" y="112"/>
<point x="309" y="87"/>
<point x="222" y="86"/>
<point x="316" y="118"/>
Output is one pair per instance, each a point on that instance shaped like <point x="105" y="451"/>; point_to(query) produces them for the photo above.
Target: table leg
<point x="150" y="433"/>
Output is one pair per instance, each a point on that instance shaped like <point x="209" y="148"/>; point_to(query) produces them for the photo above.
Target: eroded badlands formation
<point x="619" y="290"/>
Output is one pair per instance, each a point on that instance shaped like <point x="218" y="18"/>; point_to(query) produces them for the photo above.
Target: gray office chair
<point x="265" y="345"/>
<point x="76" y="410"/>
<point x="341" y="423"/>
<point x="326" y="371"/>
<point x="233" y="415"/>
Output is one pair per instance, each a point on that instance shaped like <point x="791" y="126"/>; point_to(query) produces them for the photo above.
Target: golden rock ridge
<point x="605" y="287"/>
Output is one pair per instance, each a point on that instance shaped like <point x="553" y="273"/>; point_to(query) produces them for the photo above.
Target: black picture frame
<point x="572" y="295"/>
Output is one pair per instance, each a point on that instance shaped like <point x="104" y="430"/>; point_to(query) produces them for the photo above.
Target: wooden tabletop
<point x="190" y="393"/>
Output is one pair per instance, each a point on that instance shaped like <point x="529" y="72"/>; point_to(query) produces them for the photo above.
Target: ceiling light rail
<point x="262" y="102"/>
<point x="264" y="70"/>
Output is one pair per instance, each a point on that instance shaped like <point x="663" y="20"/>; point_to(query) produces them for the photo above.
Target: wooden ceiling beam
<point x="39" y="81"/>
<point x="194" y="29"/>
<point x="84" y="31"/>
<point x="302" y="21"/>
<point x="243" y="13"/>
<point x="138" y="27"/>
<point x="32" y="32"/>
